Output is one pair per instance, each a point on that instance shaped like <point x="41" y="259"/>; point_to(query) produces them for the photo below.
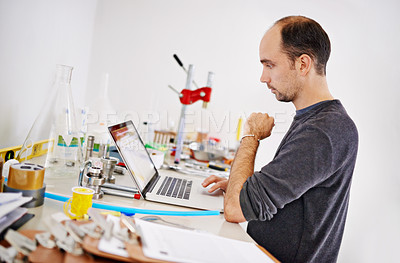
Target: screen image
<point x="133" y="151"/>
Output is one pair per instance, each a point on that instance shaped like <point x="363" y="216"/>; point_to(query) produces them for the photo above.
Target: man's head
<point x="302" y="35"/>
<point x="294" y="50"/>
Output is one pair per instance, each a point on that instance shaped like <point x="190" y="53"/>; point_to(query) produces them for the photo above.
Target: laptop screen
<point x="133" y="152"/>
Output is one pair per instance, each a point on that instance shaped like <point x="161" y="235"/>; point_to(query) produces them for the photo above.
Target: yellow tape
<point x="77" y="206"/>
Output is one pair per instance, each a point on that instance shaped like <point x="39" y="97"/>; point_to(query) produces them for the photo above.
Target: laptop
<point x="165" y="186"/>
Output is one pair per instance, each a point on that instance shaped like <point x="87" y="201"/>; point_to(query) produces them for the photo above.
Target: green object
<point x="157" y="146"/>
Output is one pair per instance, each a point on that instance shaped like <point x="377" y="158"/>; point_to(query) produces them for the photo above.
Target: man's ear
<point x="304" y="64"/>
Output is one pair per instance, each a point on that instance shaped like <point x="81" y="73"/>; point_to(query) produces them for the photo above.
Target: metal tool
<point x="108" y="168"/>
<point x="85" y="165"/>
<point x="94" y="179"/>
<point x="187" y="97"/>
<point x="133" y="190"/>
<point x="181" y="126"/>
<point x="89" y="147"/>
<point x="104" y="150"/>
<point x="183" y="67"/>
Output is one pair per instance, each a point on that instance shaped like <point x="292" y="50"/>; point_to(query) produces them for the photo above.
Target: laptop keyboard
<point x="175" y="187"/>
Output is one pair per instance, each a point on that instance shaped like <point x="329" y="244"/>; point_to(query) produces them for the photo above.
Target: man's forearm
<point x="242" y="168"/>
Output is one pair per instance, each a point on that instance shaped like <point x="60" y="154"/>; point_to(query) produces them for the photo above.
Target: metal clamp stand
<point x="108" y="168"/>
<point x="94" y="179"/>
<point x="181" y="126"/>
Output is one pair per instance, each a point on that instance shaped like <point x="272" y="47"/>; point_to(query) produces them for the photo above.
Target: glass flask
<point x="54" y="140"/>
<point x="100" y="115"/>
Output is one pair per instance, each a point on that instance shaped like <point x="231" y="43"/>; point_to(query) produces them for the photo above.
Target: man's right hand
<point x="259" y="124"/>
<point x="219" y="183"/>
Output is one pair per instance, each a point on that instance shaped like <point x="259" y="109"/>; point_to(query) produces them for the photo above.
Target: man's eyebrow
<point x="266" y="61"/>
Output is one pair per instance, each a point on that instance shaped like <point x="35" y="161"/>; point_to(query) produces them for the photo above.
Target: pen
<point x="216" y="167"/>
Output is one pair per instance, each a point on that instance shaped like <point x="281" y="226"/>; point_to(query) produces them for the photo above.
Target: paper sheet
<point x="113" y="246"/>
<point x="174" y="244"/>
<point x="11" y="217"/>
<point x="9" y="206"/>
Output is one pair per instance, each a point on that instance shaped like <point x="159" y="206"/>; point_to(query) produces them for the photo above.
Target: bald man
<point x="296" y="205"/>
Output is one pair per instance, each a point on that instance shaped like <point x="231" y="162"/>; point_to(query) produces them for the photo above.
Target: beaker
<point x="54" y="140"/>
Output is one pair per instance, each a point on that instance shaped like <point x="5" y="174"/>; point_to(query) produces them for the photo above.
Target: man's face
<point x="278" y="73"/>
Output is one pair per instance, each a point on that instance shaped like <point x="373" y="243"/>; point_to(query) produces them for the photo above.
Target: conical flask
<point x="54" y="140"/>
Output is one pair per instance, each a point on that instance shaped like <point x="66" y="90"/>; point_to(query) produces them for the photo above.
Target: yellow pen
<point x="239" y="127"/>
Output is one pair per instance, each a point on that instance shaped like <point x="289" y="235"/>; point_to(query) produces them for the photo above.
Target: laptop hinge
<point x="151" y="184"/>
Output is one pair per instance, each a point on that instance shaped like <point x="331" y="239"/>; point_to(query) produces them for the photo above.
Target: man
<point x="297" y="204"/>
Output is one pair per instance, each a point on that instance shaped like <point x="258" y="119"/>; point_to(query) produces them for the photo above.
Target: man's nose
<point x="265" y="77"/>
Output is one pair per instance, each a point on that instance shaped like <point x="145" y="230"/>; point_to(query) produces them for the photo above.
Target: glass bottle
<point x="54" y="139"/>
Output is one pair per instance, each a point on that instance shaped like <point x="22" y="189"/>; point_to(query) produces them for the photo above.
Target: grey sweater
<point x="297" y="204"/>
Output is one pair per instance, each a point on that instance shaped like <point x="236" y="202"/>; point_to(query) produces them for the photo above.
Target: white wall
<point x="134" y="41"/>
<point x="34" y="37"/>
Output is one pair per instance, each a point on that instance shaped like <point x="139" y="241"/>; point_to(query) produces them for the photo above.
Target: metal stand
<point x="181" y="126"/>
<point x="108" y="168"/>
<point x="94" y="179"/>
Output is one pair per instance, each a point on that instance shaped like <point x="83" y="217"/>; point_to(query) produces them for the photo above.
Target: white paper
<point x="8" y="197"/>
<point x="10" y="206"/>
<point x="180" y="245"/>
<point x="12" y="217"/>
<point x="113" y="246"/>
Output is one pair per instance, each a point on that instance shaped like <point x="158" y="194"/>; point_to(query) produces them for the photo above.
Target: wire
<point x="132" y="211"/>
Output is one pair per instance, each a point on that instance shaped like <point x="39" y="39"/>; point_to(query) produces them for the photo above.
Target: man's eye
<point x="268" y="65"/>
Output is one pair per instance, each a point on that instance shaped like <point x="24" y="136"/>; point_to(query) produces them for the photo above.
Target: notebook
<point x="163" y="186"/>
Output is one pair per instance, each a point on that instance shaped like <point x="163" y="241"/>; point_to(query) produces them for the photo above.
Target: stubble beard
<point x="289" y="94"/>
<point x="285" y="97"/>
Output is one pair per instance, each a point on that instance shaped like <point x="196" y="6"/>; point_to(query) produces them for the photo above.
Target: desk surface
<point x="63" y="185"/>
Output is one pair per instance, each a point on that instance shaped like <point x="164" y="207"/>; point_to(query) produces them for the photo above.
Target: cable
<point x="132" y="211"/>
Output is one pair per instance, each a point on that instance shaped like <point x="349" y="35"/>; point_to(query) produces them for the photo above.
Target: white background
<point x="134" y="42"/>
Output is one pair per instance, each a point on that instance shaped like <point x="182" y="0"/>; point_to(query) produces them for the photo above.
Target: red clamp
<point x="188" y="97"/>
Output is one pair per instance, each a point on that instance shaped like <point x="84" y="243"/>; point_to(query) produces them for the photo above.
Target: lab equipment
<point x="97" y="180"/>
<point x="54" y="141"/>
<point x="100" y="112"/>
<point x="89" y="147"/>
<point x="108" y="168"/>
<point x="187" y="97"/>
<point x="181" y="125"/>
<point x="94" y="179"/>
<point x="210" y="80"/>
<point x="184" y="69"/>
